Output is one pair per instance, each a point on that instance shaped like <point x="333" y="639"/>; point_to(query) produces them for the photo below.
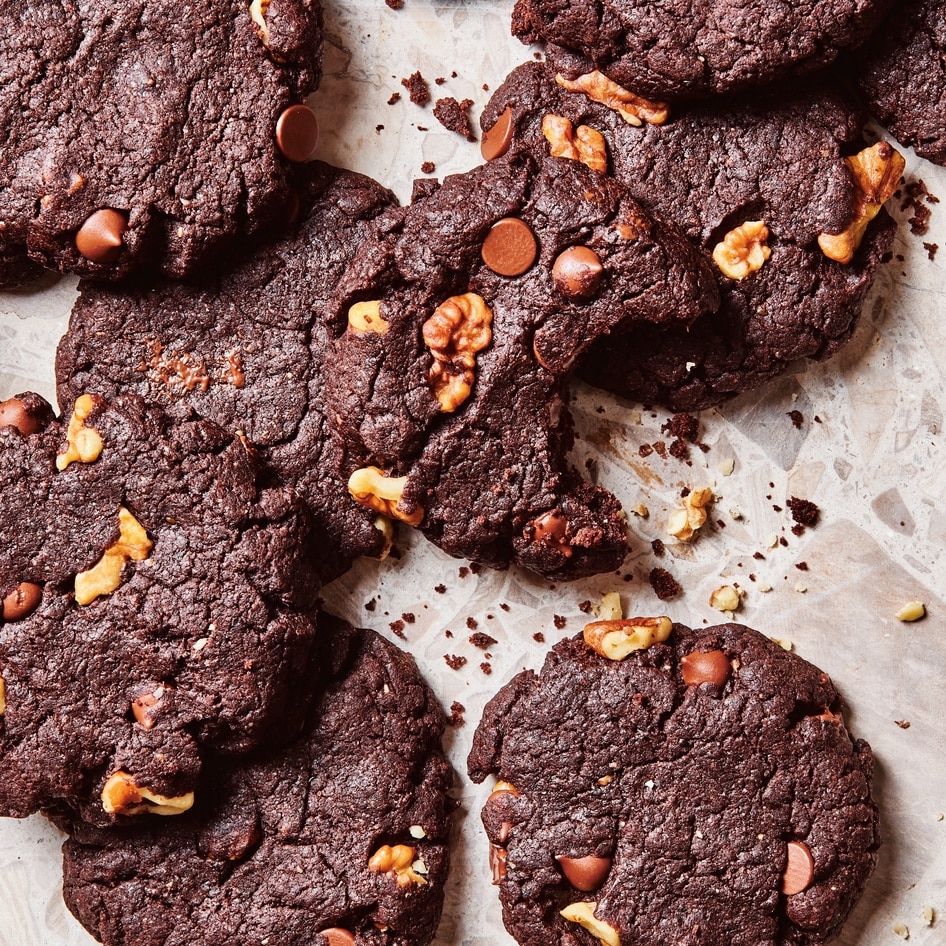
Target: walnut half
<point x="582" y="144"/>
<point x="583" y="914"/>
<point x="743" y="250"/>
<point x="122" y="795"/>
<point x="83" y="443"/>
<point x="370" y="487"/>
<point x="632" y="108"/>
<point x="616" y="639"/>
<point x="399" y="862"/>
<point x="105" y="575"/>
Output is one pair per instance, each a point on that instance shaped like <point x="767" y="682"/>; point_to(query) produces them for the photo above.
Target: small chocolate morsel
<point x="22" y="601"/>
<point x="14" y="413"/>
<point x="495" y="142"/>
<point x="497" y="863"/>
<point x="297" y="133"/>
<point x="585" y="873"/>
<point x="710" y="666"/>
<point x="577" y="272"/>
<point x="336" y="936"/>
<point x="99" y="239"/>
<point x="510" y="247"/>
<point x="551" y="527"/>
<point x="799" y="868"/>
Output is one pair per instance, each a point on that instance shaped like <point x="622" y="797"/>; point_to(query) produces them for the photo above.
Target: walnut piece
<point x="364" y="317"/>
<point x="743" y="250"/>
<point x="370" y="487"/>
<point x="386" y="528"/>
<point x="258" y="10"/>
<point x="725" y="599"/>
<point x="877" y="171"/>
<point x="82" y="443"/>
<point x="616" y="639"/>
<point x="583" y="144"/>
<point x="684" y="522"/>
<point x="121" y="795"/>
<point x="3" y="697"/>
<point x="583" y="914"/>
<point x="398" y="862"/>
<point x="912" y="611"/>
<point x="632" y="108"/>
<point x="105" y="575"/>
<point x="609" y="608"/>
<point x="458" y="329"/>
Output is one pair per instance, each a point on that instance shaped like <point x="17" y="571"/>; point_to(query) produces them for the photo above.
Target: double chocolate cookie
<point x="667" y="785"/>
<point x="674" y="49"/>
<point x="340" y="839"/>
<point x="902" y="73"/>
<point x="131" y="133"/>
<point x="454" y="329"/>
<point x="246" y="349"/>
<point x="779" y="190"/>
<point x="157" y="603"/>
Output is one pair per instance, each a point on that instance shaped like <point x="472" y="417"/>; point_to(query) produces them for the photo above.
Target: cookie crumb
<point x="801" y="566"/>
<point x="417" y="88"/>
<point x="440" y="80"/>
<point x="408" y="617"/>
<point x="395" y="4"/>
<point x="454" y="661"/>
<point x="482" y="641"/>
<point x="559" y="620"/>
<point x="371" y="605"/>
<point x="645" y="450"/>
<point x="585" y="606"/>
<point x="378" y="129"/>
<point x="903" y="723"/>
<point x="397" y="629"/>
<point x="455" y="116"/>
<point x="395" y="97"/>
<point x="504" y="606"/>
<point x="472" y="624"/>
<point x="931" y="250"/>
<point x="658" y="548"/>
<point x="538" y="637"/>
<point x="440" y="589"/>
<point x="486" y="668"/>
<point x="664" y="584"/>
<point x="797" y="419"/>
<point x="456" y="713"/>
<point x="804" y="512"/>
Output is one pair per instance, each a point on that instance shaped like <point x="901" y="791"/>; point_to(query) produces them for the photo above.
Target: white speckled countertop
<point x="869" y="452"/>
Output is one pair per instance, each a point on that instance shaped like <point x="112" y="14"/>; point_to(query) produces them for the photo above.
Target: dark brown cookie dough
<point x="282" y="849"/>
<point x="156" y="604"/>
<point x="245" y="349"/>
<point x="703" y="790"/>
<point x="683" y="48"/>
<point x="455" y="328"/>
<point x="776" y="158"/>
<point x="135" y="132"/>
<point x="902" y="73"/>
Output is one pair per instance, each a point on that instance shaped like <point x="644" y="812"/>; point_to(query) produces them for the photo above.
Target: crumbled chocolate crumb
<point x="422" y="128"/>
<point x="585" y="606"/>
<point x="455" y="116"/>
<point x="486" y="668"/>
<point x="916" y="194"/>
<point x="801" y="566"/>
<point x="721" y="523"/>
<point x="684" y="492"/>
<point x="440" y="80"/>
<point x="931" y="250"/>
<point x="397" y="628"/>
<point x="448" y="633"/>
<point x="440" y="589"/>
<point x="454" y="661"/>
<point x="476" y="568"/>
<point x="798" y="530"/>
<point x="481" y="640"/>
<point x="658" y="548"/>
<point x="559" y="620"/>
<point x="683" y="427"/>
<point x="804" y="512"/>
<point x="797" y="419"/>
<point x="395" y="97"/>
<point x="371" y="605"/>
<point x="417" y="88"/>
<point x="645" y="450"/>
<point x="453" y="74"/>
<point x="538" y="637"/>
<point x="485" y="87"/>
<point x="660" y="448"/>
<point x="680" y="451"/>
<point x="463" y="571"/>
<point x="395" y="4"/>
<point x="664" y="584"/>
<point x="456" y="713"/>
<point x="783" y="541"/>
<point x="472" y="624"/>
<point x="758" y="556"/>
<point x="428" y="167"/>
<point x="776" y="507"/>
<point x="378" y="129"/>
<point x="817" y="419"/>
<point x="903" y="723"/>
<point x="504" y="606"/>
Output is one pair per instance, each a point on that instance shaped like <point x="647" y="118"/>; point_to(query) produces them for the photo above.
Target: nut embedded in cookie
<point x="122" y="795"/>
<point x="581" y="144"/>
<point x="634" y="109"/>
<point x="370" y="487"/>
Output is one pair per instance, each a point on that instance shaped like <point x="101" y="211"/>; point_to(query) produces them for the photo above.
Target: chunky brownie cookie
<point x="454" y="329"/>
<point x="131" y="133"/>
<point x="156" y="604"/>
<point x="673" y="49"/>
<point x="778" y="189"/>
<point x="340" y="839"/>
<point x="246" y="350"/>
<point x="902" y="73"/>
<point x="667" y="785"/>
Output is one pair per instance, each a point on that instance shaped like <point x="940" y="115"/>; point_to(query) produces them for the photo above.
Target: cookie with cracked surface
<point x="703" y="789"/>
<point x="157" y="604"/>
<point x="792" y="165"/>
<point x="454" y="329"/>
<point x="287" y="846"/>
<point x="668" y="49"/>
<point x="245" y="349"/>
<point x="132" y="135"/>
<point x="902" y="73"/>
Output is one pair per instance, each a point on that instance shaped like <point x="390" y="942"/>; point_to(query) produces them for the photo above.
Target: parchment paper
<point x="869" y="453"/>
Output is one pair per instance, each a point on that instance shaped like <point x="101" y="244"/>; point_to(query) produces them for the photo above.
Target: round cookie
<point x="157" y="604"/>
<point x="902" y="73"/>
<point x="245" y="349"/>
<point x="286" y="847"/>
<point x="703" y="789"/>
<point x="454" y="329"/>
<point x="131" y="134"/>
<point x="785" y="159"/>
<point x="667" y="49"/>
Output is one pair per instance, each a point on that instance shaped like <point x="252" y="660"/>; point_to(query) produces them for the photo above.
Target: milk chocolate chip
<point x="585" y="873"/>
<point x="577" y="272"/>
<point x="496" y="141"/>
<point x="99" y="239"/>
<point x="497" y="863"/>
<point x="15" y="413"/>
<point x="336" y="936"/>
<point x="510" y="247"/>
<point x="21" y="602"/>
<point x="799" y="868"/>
<point x="297" y="133"/>
<point x="710" y="666"/>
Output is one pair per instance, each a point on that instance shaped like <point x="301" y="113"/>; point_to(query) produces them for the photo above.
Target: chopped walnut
<point x="121" y="795"/>
<point x="365" y="317"/>
<point x="458" y="329"/>
<point x="258" y="10"/>
<point x="684" y="522"/>
<point x="632" y="108"/>
<point x="616" y="639"/>
<point x="725" y="598"/>
<point x="105" y="575"/>
<point x="912" y="611"/>
<point x="82" y="443"/>
<point x="398" y="862"/>
<point x="370" y="487"/>
<point x="583" y="914"/>
<point x="582" y="144"/>
<point x="743" y="250"/>
<point x="877" y="171"/>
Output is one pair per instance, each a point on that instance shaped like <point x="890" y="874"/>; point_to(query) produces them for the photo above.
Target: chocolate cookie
<point x="702" y="789"/>
<point x="454" y="330"/>
<point x="777" y="189"/>
<point x="673" y="49"/>
<point x="902" y="73"/>
<point x="246" y="350"/>
<point x="340" y="839"/>
<point x="133" y="133"/>
<point x="156" y="604"/>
